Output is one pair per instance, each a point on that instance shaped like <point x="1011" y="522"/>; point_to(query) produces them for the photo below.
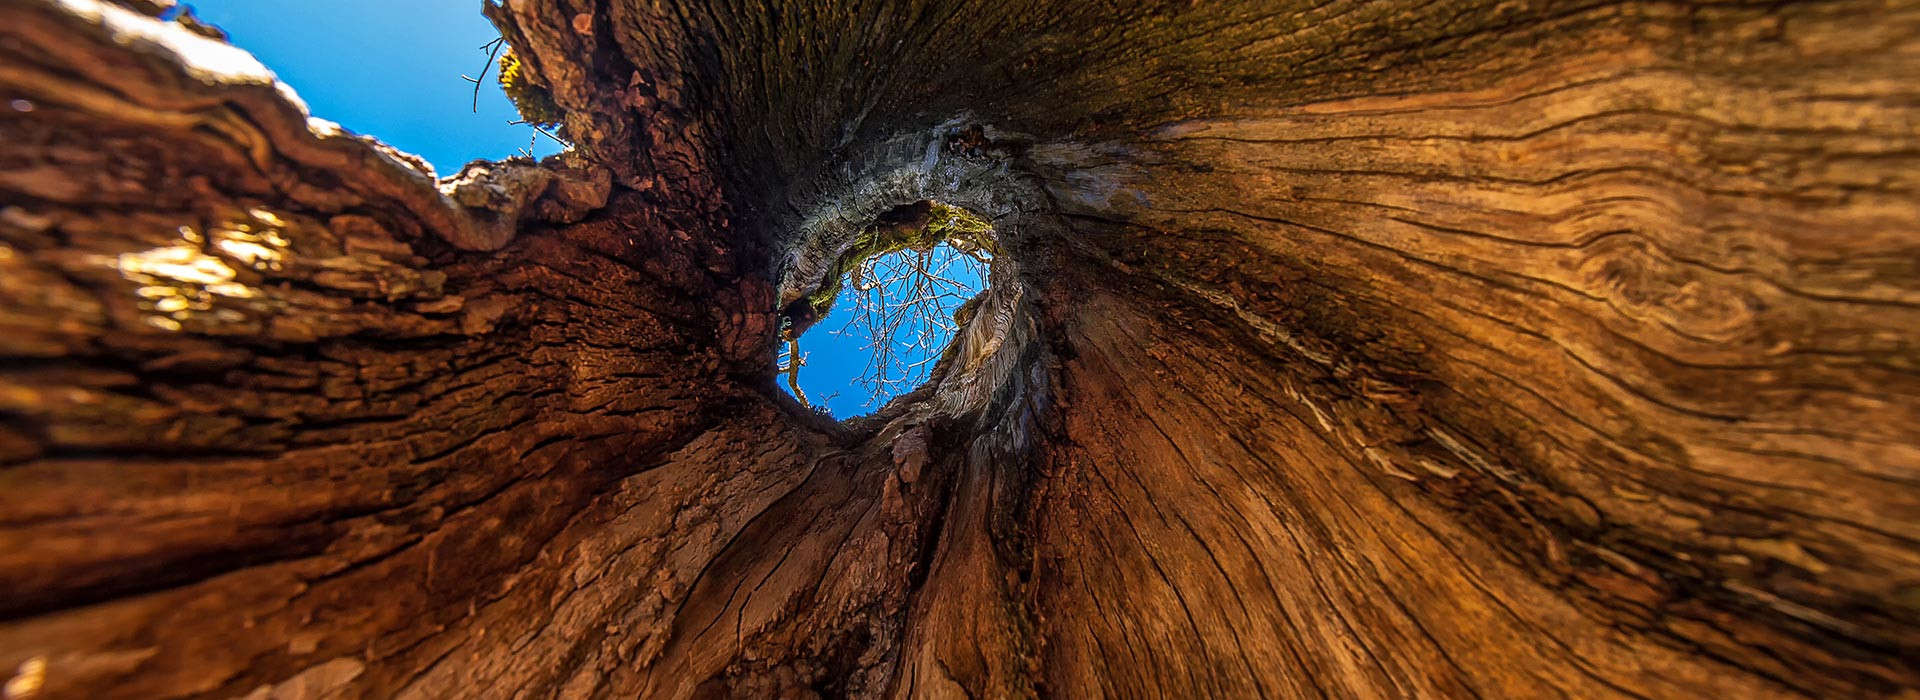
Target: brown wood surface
<point x="1354" y="350"/>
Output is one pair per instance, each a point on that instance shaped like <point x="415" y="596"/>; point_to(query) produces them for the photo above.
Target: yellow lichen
<point x="535" y="104"/>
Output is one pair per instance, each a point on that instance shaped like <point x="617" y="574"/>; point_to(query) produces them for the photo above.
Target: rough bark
<point x="1384" y="349"/>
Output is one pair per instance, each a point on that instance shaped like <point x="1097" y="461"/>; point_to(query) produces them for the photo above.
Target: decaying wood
<point x="1386" y="349"/>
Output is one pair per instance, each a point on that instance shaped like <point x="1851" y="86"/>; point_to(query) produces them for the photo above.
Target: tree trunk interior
<point x="1346" y="349"/>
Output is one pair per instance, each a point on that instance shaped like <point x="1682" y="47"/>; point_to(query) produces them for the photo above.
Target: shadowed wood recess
<point x="1388" y="349"/>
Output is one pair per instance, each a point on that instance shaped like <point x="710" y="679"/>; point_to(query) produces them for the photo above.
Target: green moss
<point x="953" y="224"/>
<point x="945" y="224"/>
<point x="536" y="105"/>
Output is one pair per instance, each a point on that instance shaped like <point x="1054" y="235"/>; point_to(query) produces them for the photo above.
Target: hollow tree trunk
<point x="1388" y="349"/>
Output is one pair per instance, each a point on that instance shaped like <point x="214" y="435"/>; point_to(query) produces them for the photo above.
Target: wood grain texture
<point x="1354" y="349"/>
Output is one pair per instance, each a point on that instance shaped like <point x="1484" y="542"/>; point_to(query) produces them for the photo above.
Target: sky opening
<point x="887" y="328"/>
<point x="389" y="69"/>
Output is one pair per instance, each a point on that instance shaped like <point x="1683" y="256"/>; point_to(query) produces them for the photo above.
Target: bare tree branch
<point x="902" y="304"/>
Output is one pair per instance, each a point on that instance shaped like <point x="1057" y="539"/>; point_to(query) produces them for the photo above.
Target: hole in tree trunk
<point x="889" y="308"/>
<point x="1385" y="349"/>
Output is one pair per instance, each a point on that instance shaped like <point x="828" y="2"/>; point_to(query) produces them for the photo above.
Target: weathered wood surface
<point x="1359" y="350"/>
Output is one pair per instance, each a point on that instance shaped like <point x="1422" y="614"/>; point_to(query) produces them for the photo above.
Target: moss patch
<point x="534" y="102"/>
<point x="919" y="226"/>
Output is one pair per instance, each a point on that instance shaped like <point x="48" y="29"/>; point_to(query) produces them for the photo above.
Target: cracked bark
<point x="1354" y="350"/>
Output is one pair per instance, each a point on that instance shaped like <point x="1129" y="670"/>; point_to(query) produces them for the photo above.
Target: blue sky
<point x="838" y="355"/>
<point x="388" y="68"/>
<point x="391" y="69"/>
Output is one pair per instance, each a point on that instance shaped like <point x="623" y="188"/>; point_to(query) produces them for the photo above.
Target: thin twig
<point x="543" y="132"/>
<point x="493" y="52"/>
